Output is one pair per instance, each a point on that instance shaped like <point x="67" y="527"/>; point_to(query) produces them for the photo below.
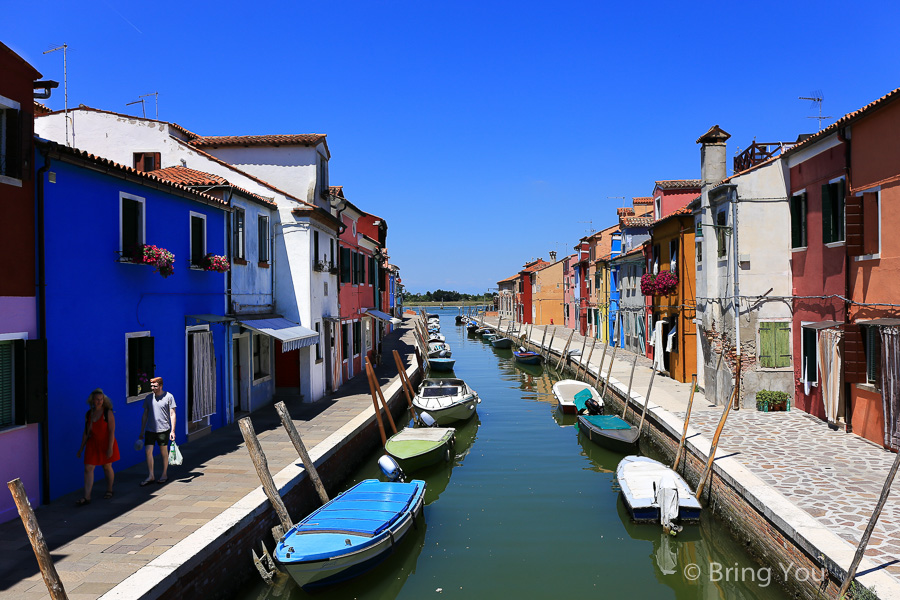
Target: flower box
<point x="146" y="254"/>
<point x="662" y="284"/>
<point x="214" y="262"/>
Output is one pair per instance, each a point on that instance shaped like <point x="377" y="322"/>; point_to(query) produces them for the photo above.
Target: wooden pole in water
<point x="602" y="362"/>
<point x="715" y="441"/>
<point x="581" y="357"/>
<point x="543" y="337"/>
<point x="308" y="464"/>
<point x="565" y="351"/>
<point x="590" y="354"/>
<point x="38" y="544"/>
<point x="374" y="381"/>
<point x="687" y="420"/>
<point x="377" y="411"/>
<point x="550" y="343"/>
<point x="613" y="359"/>
<point x="646" y="403"/>
<point x="861" y="549"/>
<point x="405" y="382"/>
<point x="628" y="393"/>
<point x="262" y="469"/>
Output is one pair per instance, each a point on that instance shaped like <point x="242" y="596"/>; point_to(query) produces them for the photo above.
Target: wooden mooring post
<point x="373" y="384"/>
<point x="406" y="384"/>
<point x="602" y="362"/>
<point x="38" y="543"/>
<point x="308" y="464"/>
<point x="646" y="403"/>
<point x="543" y="337"/>
<point x="628" y="393"/>
<point x="687" y="420"/>
<point x="590" y="355"/>
<point x="611" y="360"/>
<point x="715" y="441"/>
<point x="581" y="357"/>
<point x="565" y="351"/>
<point x="262" y="470"/>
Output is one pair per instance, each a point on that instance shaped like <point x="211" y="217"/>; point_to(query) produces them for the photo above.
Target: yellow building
<point x="547" y="294"/>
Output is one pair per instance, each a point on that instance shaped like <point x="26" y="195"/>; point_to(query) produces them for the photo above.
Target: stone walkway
<point x="98" y="546"/>
<point x="834" y="476"/>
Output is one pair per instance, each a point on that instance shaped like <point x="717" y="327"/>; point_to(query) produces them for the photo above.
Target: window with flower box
<point x="198" y="238"/>
<point x="139" y="364"/>
<point x="131" y="223"/>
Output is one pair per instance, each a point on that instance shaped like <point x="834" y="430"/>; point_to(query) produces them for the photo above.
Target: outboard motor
<point x="391" y="469"/>
<point x="667" y="500"/>
<point x="593" y="407"/>
<point x="427" y="420"/>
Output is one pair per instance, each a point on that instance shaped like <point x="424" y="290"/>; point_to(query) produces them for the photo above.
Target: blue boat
<point x="527" y="358"/>
<point x="351" y="534"/>
<point x="441" y="364"/>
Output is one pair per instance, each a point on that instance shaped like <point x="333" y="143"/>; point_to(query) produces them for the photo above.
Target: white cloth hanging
<point x="806" y="386"/>
<point x="828" y="351"/>
<point x="658" y="362"/>
<point x="204" y="375"/>
<point x="670" y="341"/>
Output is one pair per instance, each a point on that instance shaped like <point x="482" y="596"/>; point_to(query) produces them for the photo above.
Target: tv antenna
<point x="64" y="47"/>
<point x="817" y="98"/>
<point x="591" y="226"/>
<point x="141" y="102"/>
<point x="622" y="198"/>
<point x="156" y="95"/>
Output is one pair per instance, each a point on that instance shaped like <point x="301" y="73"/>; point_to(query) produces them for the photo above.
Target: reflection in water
<point x="530" y="509"/>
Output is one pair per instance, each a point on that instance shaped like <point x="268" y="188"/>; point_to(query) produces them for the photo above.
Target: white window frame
<point x="803" y="353"/>
<point x="191" y="216"/>
<point x="129" y="335"/>
<point x="143" y="202"/>
<point x="7" y="104"/>
<point x="876" y="189"/>
<point x="268" y="340"/>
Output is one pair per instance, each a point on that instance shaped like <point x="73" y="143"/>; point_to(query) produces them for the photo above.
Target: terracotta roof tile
<point x="681" y="212"/>
<point x="669" y="184"/>
<point x="40" y="109"/>
<point x="643" y="221"/>
<point x="633" y="251"/>
<point x="513" y="278"/>
<point x="846" y="119"/>
<point x="625" y="211"/>
<point x="303" y="139"/>
<point x="193" y="178"/>
<point x="65" y="150"/>
<point x="642" y="200"/>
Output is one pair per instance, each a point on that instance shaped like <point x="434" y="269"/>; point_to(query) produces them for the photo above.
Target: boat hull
<point x="564" y="391"/>
<point x="441" y="364"/>
<point x="527" y="359"/>
<point x="415" y="449"/>
<point x="365" y="552"/>
<point x="503" y="342"/>
<point x="623" y="441"/>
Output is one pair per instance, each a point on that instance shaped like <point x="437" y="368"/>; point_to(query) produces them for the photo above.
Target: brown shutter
<point x="157" y="160"/>
<point x="854" y="354"/>
<point x="854" y="208"/>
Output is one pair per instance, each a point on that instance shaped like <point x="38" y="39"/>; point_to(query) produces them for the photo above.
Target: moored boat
<point x="447" y="400"/>
<point x="571" y="395"/>
<point x="441" y="364"/>
<point x="420" y="447"/>
<point x="655" y="493"/>
<point x="501" y="342"/>
<point x="611" y="432"/>
<point x="527" y="357"/>
<point x="439" y="350"/>
<point x="351" y="534"/>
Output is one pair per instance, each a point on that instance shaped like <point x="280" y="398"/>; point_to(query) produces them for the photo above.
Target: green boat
<point x="421" y="447"/>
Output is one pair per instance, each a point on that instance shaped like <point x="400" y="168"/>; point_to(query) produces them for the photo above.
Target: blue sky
<point x="485" y="133"/>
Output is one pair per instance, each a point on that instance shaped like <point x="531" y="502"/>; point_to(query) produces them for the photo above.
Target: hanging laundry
<point x="658" y="362"/>
<point x="829" y="350"/>
<point x="890" y="384"/>
<point x="670" y="341"/>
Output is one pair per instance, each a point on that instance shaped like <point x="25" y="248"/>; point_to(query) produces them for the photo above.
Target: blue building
<point x="112" y="320"/>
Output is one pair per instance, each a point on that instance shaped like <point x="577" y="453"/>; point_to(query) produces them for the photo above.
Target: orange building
<point x="548" y="294"/>
<point x="673" y="309"/>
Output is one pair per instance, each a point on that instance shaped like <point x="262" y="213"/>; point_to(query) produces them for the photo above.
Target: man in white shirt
<point x="158" y="425"/>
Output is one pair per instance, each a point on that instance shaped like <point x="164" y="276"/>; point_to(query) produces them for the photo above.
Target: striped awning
<point x="382" y="316"/>
<point x="292" y="335"/>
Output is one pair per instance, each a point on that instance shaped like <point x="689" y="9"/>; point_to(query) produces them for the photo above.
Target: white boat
<point x="439" y="350"/>
<point x="350" y="534"/>
<point x="447" y="400"/>
<point x="570" y="395"/>
<point x="655" y="493"/>
<point x="437" y="337"/>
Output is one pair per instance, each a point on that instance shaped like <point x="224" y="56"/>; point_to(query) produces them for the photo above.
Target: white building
<point x="743" y="253"/>
<point x="302" y="295"/>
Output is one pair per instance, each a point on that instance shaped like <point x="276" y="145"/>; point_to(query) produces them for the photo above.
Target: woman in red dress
<point x="99" y="443"/>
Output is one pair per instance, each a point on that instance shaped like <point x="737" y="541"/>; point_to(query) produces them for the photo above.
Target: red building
<point x="23" y="436"/>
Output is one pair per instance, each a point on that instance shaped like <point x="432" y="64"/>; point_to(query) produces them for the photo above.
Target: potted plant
<point x="771" y="401"/>
<point x="214" y="262"/>
<point x="146" y="254"/>
<point x="665" y="283"/>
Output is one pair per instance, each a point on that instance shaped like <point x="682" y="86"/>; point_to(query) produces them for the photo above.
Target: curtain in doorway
<point x="658" y="360"/>
<point x="890" y="384"/>
<point x="828" y="352"/>
<point x="204" y="375"/>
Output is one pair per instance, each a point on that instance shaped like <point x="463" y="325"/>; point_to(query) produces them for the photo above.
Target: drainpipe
<point x="42" y="326"/>
<point x="736" y="300"/>
<point x="848" y="387"/>
<point x="229" y="345"/>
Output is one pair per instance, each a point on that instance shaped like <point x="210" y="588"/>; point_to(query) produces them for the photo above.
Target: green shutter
<point x="6" y="384"/>
<point x="839" y="211"/>
<point x="345" y="265"/>
<point x="767" y="345"/>
<point x="782" y="344"/>
<point x="827" y="215"/>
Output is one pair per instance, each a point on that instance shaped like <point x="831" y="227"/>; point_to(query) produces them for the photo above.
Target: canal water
<point x="530" y="509"/>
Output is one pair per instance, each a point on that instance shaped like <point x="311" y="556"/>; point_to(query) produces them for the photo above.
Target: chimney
<point x="713" y="156"/>
<point x="552" y="256"/>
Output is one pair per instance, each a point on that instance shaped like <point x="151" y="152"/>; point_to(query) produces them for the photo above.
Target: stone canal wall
<point x="215" y="560"/>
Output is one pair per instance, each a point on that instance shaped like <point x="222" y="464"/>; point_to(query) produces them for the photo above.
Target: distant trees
<point x="446" y="296"/>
